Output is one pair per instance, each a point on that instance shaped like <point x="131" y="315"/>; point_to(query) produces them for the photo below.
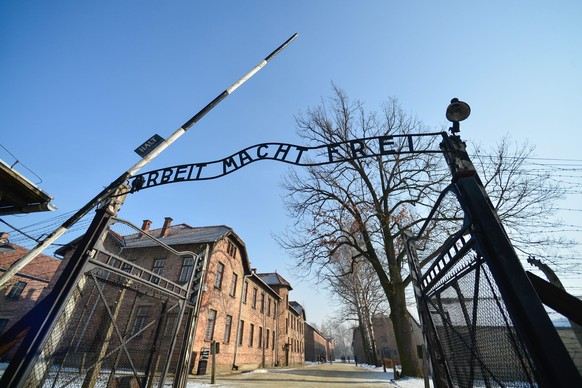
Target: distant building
<point x="318" y="347"/>
<point x="291" y="320"/>
<point x="385" y="339"/>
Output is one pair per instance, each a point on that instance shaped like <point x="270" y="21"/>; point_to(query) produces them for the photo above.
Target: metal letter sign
<point x="149" y="145"/>
<point x="283" y="152"/>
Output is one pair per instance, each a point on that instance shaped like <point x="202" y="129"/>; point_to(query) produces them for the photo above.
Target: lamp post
<point x="528" y="316"/>
<point x="457" y="111"/>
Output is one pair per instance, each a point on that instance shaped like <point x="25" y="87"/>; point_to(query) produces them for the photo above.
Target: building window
<point x="158" y="269"/>
<point x="245" y="289"/>
<point x="262" y="302"/>
<point x="233" y="284"/>
<point x="219" y="275"/>
<point x="267" y="340"/>
<point x="286" y="325"/>
<point x="241" y="332"/>
<point x="227" y="328"/>
<point x="260" y="343"/>
<point x="231" y="249"/>
<point x="269" y="307"/>
<point x="16" y="290"/>
<point x="251" y="335"/>
<point x="210" y="326"/>
<point x="186" y="271"/>
<point x="141" y="320"/>
<point x="254" y="298"/>
<point x="273" y="341"/>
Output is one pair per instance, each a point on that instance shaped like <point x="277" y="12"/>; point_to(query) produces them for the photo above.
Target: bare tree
<point x="368" y="204"/>
<point x="364" y="204"/>
<point x="524" y="197"/>
<point x="355" y="284"/>
<point x="342" y="336"/>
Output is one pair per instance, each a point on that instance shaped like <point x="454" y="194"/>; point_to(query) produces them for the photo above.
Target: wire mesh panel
<point x="468" y="325"/>
<point x="125" y="321"/>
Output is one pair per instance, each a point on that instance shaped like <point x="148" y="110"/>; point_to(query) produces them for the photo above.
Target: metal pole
<point x="213" y="352"/>
<point x="431" y="346"/>
<point x="109" y="190"/>
<point x="185" y="358"/>
<point x="244" y="288"/>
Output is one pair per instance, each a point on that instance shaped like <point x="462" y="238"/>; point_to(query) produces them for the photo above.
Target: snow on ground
<point x="404" y="382"/>
<point x="401" y="383"/>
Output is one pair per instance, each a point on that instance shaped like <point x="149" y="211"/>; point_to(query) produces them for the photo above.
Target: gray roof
<point x="258" y="279"/>
<point x="297" y="308"/>
<point x="274" y="279"/>
<point x="180" y="234"/>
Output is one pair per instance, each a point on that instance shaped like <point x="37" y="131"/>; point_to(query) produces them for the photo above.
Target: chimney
<point x="166" y="227"/>
<point x="145" y="227"/>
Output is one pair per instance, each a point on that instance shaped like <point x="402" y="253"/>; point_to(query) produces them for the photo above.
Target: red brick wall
<point x="317" y="345"/>
<point x="220" y="300"/>
<point x="35" y="274"/>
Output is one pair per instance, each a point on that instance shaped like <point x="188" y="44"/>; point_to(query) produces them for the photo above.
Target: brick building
<point x="384" y="339"/>
<point x="290" y="322"/>
<point x="23" y="290"/>
<point x="248" y="314"/>
<point x="317" y="346"/>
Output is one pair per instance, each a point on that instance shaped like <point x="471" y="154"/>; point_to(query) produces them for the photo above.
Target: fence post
<point x="440" y="374"/>
<point x="213" y="370"/>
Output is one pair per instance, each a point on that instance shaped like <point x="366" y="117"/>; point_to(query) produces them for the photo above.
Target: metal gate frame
<point x="483" y="232"/>
<point x="32" y="355"/>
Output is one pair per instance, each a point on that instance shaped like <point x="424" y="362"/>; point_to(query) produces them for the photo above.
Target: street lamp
<point x="457" y="111"/>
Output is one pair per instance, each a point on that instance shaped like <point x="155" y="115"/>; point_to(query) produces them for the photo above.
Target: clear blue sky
<point x="82" y="84"/>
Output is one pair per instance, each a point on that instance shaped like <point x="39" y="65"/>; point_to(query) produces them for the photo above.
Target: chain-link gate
<point x="472" y="333"/>
<point x="123" y="325"/>
<point x="483" y="321"/>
